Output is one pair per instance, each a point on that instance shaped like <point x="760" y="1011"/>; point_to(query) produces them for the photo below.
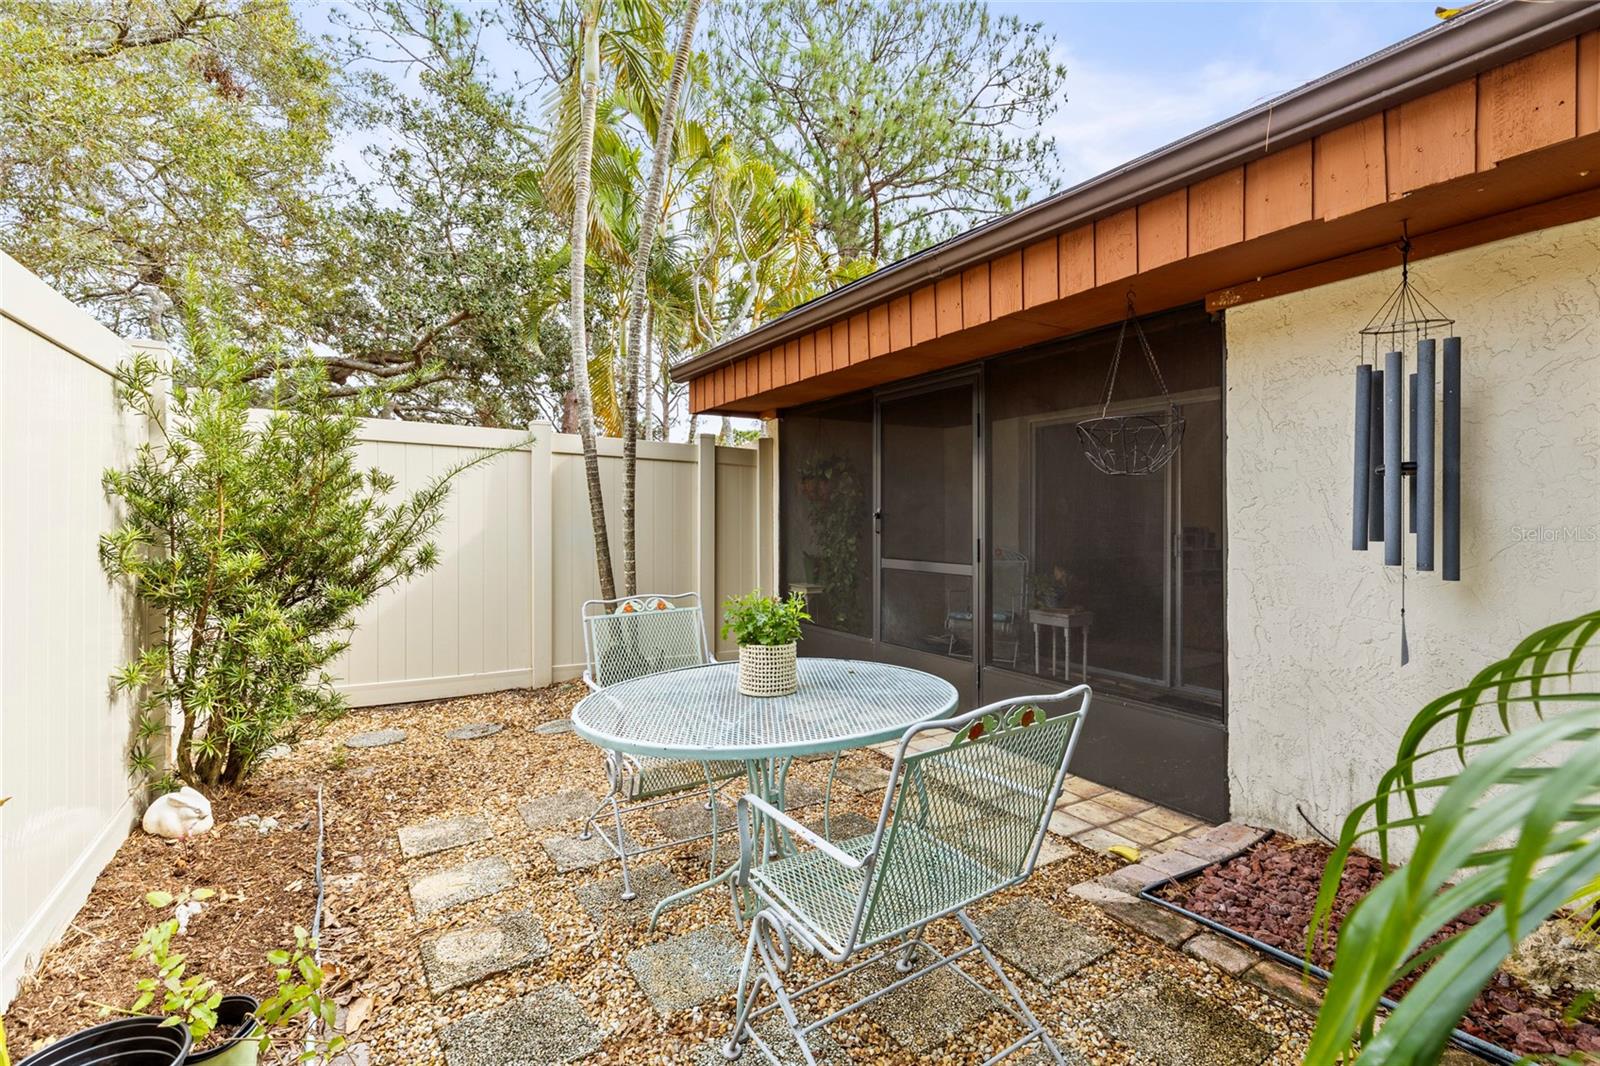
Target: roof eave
<point x="1474" y="42"/>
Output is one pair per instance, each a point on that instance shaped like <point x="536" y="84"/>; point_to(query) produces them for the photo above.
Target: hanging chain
<point x="1116" y="357"/>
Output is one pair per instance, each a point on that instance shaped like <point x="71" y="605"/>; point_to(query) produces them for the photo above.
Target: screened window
<point x="1122" y="572"/>
<point x="825" y="461"/>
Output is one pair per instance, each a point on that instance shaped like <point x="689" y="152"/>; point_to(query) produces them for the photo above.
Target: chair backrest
<point x="1010" y="582"/>
<point x="633" y="636"/>
<point x="966" y="817"/>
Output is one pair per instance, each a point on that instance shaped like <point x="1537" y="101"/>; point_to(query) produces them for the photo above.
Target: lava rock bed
<point x="1269" y="892"/>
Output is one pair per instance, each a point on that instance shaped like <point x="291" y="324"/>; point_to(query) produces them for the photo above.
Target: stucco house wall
<point x="1317" y="697"/>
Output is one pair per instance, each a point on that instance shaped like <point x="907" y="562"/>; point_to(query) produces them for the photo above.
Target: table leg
<point x="1037" y="654"/>
<point x="1052" y="651"/>
<point x="1086" y="653"/>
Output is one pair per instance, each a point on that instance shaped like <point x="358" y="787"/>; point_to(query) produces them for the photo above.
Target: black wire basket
<point x="1131" y="445"/>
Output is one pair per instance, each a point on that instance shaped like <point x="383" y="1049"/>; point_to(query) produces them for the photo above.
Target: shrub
<point x="252" y="542"/>
<point x="757" y="619"/>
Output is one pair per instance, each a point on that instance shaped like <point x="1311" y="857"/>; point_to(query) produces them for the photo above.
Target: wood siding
<point x="1358" y="183"/>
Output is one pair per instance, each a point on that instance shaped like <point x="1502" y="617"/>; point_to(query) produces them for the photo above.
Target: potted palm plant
<point x="767" y="630"/>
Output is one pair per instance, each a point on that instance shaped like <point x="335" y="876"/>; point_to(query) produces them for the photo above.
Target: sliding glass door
<point x="926" y="518"/>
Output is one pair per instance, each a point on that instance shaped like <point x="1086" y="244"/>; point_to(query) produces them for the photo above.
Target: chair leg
<point x="1034" y="1026"/>
<point x="775" y="958"/>
<point x="908" y="953"/>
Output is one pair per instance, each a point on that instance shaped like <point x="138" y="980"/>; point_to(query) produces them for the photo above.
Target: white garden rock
<point x="179" y="815"/>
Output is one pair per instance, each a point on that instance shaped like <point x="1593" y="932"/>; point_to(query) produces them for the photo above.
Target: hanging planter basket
<point x="1131" y="445"/>
<point x="1138" y="444"/>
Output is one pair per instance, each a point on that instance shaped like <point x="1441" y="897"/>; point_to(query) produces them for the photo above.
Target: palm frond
<point x="1515" y="825"/>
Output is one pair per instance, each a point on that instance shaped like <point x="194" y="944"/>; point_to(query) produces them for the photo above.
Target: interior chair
<point x="1008" y="596"/>
<point x="961" y="820"/>
<point x="627" y="638"/>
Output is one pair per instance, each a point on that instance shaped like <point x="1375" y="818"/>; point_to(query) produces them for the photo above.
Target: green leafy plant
<point x="766" y="620"/>
<point x="1521" y="752"/>
<point x="253" y="539"/>
<point x="191" y="1000"/>
<point x="300" y="992"/>
<point x="836" y="511"/>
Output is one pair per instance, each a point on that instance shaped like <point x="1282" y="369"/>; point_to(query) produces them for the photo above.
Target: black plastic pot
<point x="123" y="1042"/>
<point x="232" y="1011"/>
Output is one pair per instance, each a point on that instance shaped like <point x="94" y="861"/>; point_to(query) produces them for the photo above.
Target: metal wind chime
<point x="1406" y="319"/>
<point x="1132" y="445"/>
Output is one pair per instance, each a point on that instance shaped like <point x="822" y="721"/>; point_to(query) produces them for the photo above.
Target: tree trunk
<point x="649" y="219"/>
<point x="580" y="324"/>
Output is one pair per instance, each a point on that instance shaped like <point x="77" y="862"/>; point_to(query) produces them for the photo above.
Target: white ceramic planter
<point x="767" y="670"/>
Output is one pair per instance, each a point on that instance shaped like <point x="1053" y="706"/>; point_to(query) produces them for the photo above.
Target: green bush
<point x="757" y="619"/>
<point x="252" y="542"/>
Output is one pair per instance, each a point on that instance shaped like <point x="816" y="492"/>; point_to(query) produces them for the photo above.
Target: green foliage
<point x="908" y="118"/>
<point x="192" y="1000"/>
<point x="766" y="620"/>
<point x="835" y="509"/>
<point x="1476" y="768"/>
<point x="253" y="542"/>
<point x="300" y="983"/>
<point x="140" y="139"/>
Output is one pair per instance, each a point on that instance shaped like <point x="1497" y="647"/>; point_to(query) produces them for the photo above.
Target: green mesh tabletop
<point x="698" y="713"/>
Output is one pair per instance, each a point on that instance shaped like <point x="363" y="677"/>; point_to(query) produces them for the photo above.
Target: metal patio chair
<point x="630" y="637"/>
<point x="960" y="821"/>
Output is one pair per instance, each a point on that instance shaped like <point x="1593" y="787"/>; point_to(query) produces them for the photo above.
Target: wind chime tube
<point x="1422" y="482"/>
<point x="1452" y="459"/>
<point x="1375" y="455"/>
<point x="1411" y="450"/>
<point x="1393" y="376"/>
<point x="1363" y="464"/>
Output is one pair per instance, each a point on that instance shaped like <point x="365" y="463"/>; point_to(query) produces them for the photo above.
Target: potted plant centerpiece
<point x="767" y="630"/>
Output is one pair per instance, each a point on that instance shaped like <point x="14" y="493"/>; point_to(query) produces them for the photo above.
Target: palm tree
<point x="649" y="217"/>
<point x="1512" y="773"/>
<point x="589" y="75"/>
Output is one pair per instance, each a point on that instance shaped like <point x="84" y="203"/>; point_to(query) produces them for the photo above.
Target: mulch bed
<point x="264" y="887"/>
<point x="1269" y="893"/>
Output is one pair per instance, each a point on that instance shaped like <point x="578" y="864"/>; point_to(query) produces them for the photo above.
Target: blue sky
<point x="1140" y="75"/>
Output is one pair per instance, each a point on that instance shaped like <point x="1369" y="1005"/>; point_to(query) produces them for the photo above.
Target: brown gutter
<point x="1485" y="37"/>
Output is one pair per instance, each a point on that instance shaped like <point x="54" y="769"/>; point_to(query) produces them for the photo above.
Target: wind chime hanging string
<point x="1406" y="319"/>
<point x="1136" y="444"/>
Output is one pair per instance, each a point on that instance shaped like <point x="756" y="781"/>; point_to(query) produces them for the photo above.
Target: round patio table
<point x="698" y="714"/>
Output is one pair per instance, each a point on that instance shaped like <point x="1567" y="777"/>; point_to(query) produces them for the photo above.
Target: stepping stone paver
<point x="442" y="834"/>
<point x="775" y="1031"/>
<point x="432" y="893"/>
<point x="554" y="727"/>
<point x="602" y="899"/>
<point x="575" y="853"/>
<point x="463" y="956"/>
<point x="476" y="731"/>
<point x="1031" y="936"/>
<point x="863" y="778"/>
<point x="925" y="1013"/>
<point x="1171" y="1026"/>
<point x="800" y="794"/>
<point x="680" y="821"/>
<point x="688" y="970"/>
<point x="549" y="1026"/>
<point x="568" y="805"/>
<point x="846" y="825"/>
<point x="377" y="738"/>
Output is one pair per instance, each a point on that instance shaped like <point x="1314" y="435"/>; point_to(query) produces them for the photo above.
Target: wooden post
<point x="766" y="524"/>
<point x="705" y="570"/>
<point x="541" y="543"/>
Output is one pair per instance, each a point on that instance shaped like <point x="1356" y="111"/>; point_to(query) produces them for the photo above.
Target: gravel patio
<point x="467" y="925"/>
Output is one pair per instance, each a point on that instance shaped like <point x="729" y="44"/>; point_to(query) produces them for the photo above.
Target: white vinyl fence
<point x="500" y="611"/>
<point x="63" y="626"/>
<point x="517" y="554"/>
